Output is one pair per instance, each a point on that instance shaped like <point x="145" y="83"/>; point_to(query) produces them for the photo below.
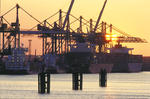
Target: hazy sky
<point x="131" y="16"/>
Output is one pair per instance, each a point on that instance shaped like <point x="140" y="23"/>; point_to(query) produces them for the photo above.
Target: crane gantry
<point x="58" y="36"/>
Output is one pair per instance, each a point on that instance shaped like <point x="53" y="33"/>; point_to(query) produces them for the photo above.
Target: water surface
<point x="119" y="86"/>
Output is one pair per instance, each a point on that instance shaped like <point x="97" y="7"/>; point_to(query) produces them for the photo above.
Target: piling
<point x="103" y="78"/>
<point x="77" y="81"/>
<point x="44" y="83"/>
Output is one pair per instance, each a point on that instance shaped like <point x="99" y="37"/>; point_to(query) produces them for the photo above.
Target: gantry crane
<point x="58" y="36"/>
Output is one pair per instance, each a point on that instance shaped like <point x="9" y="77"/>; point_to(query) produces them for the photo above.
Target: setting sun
<point x="111" y="37"/>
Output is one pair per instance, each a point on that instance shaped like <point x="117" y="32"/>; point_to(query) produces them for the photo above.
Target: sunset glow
<point x="131" y="16"/>
<point x="111" y="37"/>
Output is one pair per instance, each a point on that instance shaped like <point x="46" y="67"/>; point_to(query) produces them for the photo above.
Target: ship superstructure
<point x="16" y="62"/>
<point x="124" y="61"/>
<point x="119" y="59"/>
<point x="79" y="58"/>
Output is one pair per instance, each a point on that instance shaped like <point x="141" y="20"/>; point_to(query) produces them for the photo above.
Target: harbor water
<point x="119" y="86"/>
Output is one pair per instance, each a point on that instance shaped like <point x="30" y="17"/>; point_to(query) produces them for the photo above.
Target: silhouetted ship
<point x="50" y="63"/>
<point x="16" y="62"/>
<point x="81" y="59"/>
<point x="118" y="60"/>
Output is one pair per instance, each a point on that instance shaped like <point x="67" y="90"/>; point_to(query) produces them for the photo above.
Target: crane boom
<point x="100" y="15"/>
<point x="67" y="16"/>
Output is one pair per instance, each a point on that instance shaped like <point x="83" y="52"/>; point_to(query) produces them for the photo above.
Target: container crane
<point x="100" y="15"/>
<point x="67" y="16"/>
<point x="98" y="38"/>
<point x="124" y="37"/>
<point x="60" y="36"/>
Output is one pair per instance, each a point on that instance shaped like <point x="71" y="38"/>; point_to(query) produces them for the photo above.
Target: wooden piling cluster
<point x="44" y="83"/>
<point x="103" y="78"/>
<point x="77" y="81"/>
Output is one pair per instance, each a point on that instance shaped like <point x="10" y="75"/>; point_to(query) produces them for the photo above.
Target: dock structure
<point x="43" y="83"/>
<point x="103" y="78"/>
<point x="77" y="81"/>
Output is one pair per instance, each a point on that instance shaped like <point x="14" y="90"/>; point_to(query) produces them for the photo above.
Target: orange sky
<point x="131" y="16"/>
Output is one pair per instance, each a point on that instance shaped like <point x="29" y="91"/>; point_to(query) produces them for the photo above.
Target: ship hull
<point x="15" y="72"/>
<point x="96" y="68"/>
<point x="78" y="62"/>
<point x="130" y="68"/>
<point x="135" y="67"/>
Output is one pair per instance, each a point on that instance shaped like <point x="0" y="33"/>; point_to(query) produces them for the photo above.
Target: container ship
<point x="118" y="60"/>
<point x="79" y="58"/>
<point x="16" y="62"/>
